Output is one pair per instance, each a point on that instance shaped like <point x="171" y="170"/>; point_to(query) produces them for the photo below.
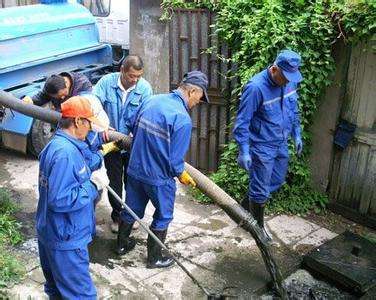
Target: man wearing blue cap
<point x="161" y="135"/>
<point x="268" y="114"/>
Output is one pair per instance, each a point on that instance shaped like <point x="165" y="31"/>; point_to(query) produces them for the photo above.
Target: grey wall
<point x="149" y="39"/>
<point x="325" y="121"/>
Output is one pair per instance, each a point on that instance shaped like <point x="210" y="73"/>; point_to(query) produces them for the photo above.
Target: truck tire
<point x="40" y="134"/>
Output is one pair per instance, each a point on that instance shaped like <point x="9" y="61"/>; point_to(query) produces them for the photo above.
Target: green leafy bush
<point x="10" y="268"/>
<point x="9" y="227"/>
<point x="256" y="30"/>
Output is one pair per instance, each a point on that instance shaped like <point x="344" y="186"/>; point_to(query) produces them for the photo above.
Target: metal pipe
<point x="204" y="184"/>
<point x="159" y="242"/>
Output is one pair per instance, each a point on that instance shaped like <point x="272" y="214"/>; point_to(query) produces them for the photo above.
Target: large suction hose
<point x="204" y="184"/>
<point x="51" y="116"/>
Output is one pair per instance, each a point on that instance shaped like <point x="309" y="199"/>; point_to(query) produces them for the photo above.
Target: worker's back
<point x="161" y="137"/>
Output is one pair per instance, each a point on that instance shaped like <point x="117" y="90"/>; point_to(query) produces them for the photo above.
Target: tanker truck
<point x="39" y="40"/>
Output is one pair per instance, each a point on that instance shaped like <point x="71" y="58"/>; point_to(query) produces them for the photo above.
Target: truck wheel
<point x="40" y="135"/>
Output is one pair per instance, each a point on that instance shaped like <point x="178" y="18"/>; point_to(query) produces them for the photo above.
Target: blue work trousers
<point x="67" y="273"/>
<point x="162" y="197"/>
<point x="268" y="170"/>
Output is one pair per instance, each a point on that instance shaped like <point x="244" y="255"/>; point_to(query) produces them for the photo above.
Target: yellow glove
<point x="109" y="147"/>
<point x="186" y="179"/>
<point x="27" y="100"/>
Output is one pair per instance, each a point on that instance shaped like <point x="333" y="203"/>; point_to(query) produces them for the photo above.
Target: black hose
<point x="53" y="117"/>
<point x="40" y="113"/>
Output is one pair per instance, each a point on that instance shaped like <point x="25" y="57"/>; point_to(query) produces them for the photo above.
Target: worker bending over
<point x="59" y="88"/>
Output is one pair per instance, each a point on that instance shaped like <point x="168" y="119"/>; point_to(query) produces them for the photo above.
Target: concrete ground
<point x="222" y="256"/>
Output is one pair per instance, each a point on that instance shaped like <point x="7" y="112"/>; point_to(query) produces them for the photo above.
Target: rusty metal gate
<point x="191" y="35"/>
<point x="353" y="180"/>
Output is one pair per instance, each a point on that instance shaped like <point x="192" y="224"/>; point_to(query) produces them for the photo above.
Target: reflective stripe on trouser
<point x="268" y="170"/>
<point x="161" y="196"/>
<point x="67" y="273"/>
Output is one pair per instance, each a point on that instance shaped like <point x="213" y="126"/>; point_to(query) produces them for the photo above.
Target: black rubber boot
<point x="257" y="210"/>
<point x="124" y="242"/>
<point x="245" y="203"/>
<point x="155" y="257"/>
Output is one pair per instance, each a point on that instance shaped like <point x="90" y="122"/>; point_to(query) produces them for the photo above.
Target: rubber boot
<point x="155" y="257"/>
<point x="245" y="203"/>
<point x="124" y="242"/>
<point x="257" y="210"/>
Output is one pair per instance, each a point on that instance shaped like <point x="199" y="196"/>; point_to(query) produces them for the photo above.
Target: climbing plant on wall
<point x="256" y="31"/>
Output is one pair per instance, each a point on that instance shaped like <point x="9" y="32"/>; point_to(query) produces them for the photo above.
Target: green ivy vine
<point x="256" y="30"/>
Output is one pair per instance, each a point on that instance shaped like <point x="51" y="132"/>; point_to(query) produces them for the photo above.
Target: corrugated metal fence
<point x="190" y="36"/>
<point x="353" y="180"/>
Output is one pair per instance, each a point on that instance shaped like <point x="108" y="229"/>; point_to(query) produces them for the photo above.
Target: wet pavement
<point x="222" y="256"/>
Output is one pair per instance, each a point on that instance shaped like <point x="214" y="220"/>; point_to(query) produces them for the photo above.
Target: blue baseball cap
<point x="199" y="79"/>
<point x="289" y="62"/>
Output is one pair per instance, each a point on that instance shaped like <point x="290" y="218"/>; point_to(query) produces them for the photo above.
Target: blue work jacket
<point x="65" y="215"/>
<point x="110" y="95"/>
<point x="162" y="133"/>
<point x="267" y="113"/>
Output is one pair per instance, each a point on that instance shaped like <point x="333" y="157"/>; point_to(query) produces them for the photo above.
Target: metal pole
<point x="131" y="212"/>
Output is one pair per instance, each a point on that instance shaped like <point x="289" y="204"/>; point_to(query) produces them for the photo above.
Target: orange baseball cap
<point x="79" y="106"/>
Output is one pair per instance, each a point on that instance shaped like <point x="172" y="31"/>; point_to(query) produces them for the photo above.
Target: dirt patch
<point x="338" y="224"/>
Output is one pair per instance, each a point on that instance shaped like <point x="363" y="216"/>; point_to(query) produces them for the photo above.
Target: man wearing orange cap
<point x="65" y="215"/>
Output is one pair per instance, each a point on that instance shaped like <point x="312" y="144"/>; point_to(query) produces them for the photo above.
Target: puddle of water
<point x="101" y="250"/>
<point x="214" y="225"/>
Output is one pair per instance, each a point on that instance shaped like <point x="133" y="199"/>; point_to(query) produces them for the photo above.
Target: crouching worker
<point x="162" y="132"/>
<point x="65" y="215"/>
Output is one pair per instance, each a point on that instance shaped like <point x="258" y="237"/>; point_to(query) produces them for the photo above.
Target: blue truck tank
<point x="37" y="41"/>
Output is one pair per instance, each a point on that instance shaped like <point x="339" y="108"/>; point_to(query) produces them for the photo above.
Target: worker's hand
<point x="27" y="100"/>
<point x="99" y="179"/>
<point x="298" y="145"/>
<point x="245" y="161"/>
<point x="186" y="179"/>
<point x="109" y="147"/>
<point x="244" y="158"/>
<point x="105" y="136"/>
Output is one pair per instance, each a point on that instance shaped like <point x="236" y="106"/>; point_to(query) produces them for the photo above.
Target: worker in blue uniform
<point x="59" y="88"/>
<point x="268" y="115"/>
<point x="162" y="132"/>
<point x="65" y="218"/>
<point x="120" y="95"/>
